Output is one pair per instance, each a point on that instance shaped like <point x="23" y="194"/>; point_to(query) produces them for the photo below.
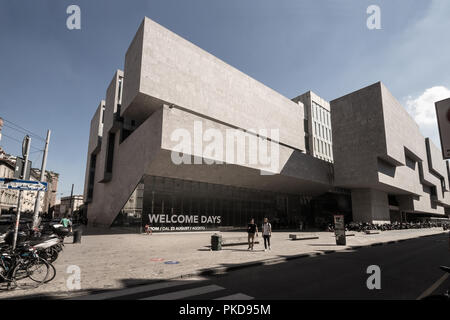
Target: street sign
<point x="24" y="185"/>
<point x="443" y="118"/>
<point x="18" y="170"/>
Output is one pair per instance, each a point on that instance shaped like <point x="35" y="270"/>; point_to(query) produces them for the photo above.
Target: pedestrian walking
<point x="67" y="223"/>
<point x="252" y="229"/>
<point x="148" y="229"/>
<point x="266" y="233"/>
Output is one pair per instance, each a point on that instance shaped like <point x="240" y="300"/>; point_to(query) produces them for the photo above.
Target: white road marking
<point x="435" y="285"/>
<point x="237" y="296"/>
<point x="185" y="293"/>
<point x="134" y="290"/>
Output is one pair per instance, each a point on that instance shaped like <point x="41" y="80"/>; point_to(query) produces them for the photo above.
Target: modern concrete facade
<point x="380" y="154"/>
<point x="318" y="132"/>
<point x="168" y="84"/>
<point x="171" y="101"/>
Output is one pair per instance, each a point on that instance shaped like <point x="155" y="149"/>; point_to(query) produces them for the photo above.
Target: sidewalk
<point x="119" y="260"/>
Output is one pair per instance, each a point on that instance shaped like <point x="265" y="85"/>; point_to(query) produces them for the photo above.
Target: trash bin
<point x="216" y="242"/>
<point x="77" y="236"/>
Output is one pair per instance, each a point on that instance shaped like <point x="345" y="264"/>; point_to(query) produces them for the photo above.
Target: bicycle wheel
<point x="36" y="270"/>
<point x="5" y="282"/>
<point x="53" y="255"/>
<point x="51" y="273"/>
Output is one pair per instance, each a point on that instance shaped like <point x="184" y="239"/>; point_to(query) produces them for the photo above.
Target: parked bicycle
<point x="365" y="226"/>
<point x="32" y="259"/>
<point x="24" y="264"/>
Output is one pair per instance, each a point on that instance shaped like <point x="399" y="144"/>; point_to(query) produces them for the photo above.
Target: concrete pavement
<point x="408" y="270"/>
<point x="123" y="260"/>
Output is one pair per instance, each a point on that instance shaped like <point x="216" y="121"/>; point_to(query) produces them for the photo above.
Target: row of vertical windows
<point x="322" y="147"/>
<point x="322" y="131"/>
<point x="321" y="114"/>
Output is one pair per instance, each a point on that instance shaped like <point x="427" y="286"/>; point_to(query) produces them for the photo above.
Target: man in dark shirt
<point x="252" y="228"/>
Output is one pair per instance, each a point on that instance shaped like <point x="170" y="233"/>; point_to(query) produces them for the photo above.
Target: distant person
<point x="148" y="229"/>
<point x="66" y="223"/>
<point x="252" y="229"/>
<point x="266" y="233"/>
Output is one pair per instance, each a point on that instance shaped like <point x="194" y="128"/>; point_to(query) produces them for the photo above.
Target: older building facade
<point x="184" y="141"/>
<point x="9" y="198"/>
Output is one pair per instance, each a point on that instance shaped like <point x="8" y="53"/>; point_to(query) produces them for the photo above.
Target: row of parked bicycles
<point x="365" y="226"/>
<point x="30" y="264"/>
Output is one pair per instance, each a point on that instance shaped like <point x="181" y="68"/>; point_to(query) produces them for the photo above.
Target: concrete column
<point x="370" y="205"/>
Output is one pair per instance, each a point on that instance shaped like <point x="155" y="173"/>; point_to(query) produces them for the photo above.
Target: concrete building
<point x="187" y="142"/>
<point x="380" y="154"/>
<point x="131" y="138"/>
<point x="318" y="132"/>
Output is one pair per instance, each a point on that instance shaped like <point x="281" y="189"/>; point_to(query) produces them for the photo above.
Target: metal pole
<point x="70" y="206"/>
<point x="16" y="227"/>
<point x="42" y="177"/>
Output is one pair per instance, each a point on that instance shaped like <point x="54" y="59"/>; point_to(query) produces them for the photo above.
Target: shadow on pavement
<point x="408" y="269"/>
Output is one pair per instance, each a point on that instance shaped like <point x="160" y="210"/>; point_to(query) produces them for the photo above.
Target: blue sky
<point x="53" y="78"/>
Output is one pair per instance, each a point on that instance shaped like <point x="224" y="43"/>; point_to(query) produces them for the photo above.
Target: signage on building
<point x="181" y="222"/>
<point x="24" y="185"/>
<point x="443" y="118"/>
<point x="339" y="230"/>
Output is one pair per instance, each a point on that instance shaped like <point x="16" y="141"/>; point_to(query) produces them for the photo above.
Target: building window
<point x="110" y="152"/>
<point x="119" y="91"/>
<point x="92" y="165"/>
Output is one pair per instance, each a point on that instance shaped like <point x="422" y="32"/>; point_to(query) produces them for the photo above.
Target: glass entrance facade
<point x="181" y="205"/>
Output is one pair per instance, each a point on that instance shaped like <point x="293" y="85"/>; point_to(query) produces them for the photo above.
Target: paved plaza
<point x="112" y="261"/>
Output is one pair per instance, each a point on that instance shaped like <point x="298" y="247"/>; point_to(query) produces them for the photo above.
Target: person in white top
<point x="266" y="232"/>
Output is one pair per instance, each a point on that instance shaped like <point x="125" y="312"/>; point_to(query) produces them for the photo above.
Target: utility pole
<point x="42" y="177"/>
<point x="26" y="151"/>
<point x="70" y="206"/>
<point x="1" y="126"/>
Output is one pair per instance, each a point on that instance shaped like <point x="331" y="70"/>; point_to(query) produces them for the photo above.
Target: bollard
<point x="216" y="242"/>
<point x="341" y="239"/>
<point x="77" y="236"/>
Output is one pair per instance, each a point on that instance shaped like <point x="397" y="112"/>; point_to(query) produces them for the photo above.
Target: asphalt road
<point x="409" y="270"/>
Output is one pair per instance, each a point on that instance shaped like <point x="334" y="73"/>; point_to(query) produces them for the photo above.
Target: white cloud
<point x="423" y="111"/>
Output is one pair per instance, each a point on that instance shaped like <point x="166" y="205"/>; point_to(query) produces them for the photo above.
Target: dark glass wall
<point x="168" y="204"/>
<point x="181" y="205"/>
